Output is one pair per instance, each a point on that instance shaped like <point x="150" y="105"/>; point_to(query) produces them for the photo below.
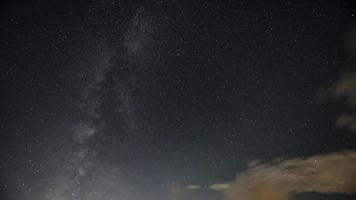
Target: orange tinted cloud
<point x="332" y="173"/>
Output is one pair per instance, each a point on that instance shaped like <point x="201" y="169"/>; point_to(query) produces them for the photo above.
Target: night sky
<point x="115" y="100"/>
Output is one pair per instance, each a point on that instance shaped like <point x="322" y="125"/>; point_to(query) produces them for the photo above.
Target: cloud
<point x="344" y="91"/>
<point x="220" y="186"/>
<point x="332" y="173"/>
<point x="193" y="187"/>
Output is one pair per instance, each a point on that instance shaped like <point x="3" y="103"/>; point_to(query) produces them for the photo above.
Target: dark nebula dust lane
<point x="177" y="100"/>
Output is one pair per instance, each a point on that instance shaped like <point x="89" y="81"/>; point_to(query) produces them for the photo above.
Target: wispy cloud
<point x="332" y="173"/>
<point x="344" y="92"/>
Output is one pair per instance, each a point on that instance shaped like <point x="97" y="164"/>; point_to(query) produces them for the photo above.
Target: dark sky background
<point x="119" y="100"/>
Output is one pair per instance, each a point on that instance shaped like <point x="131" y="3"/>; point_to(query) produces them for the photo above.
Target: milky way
<point x="139" y="100"/>
<point x="80" y="175"/>
<point x="77" y="173"/>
